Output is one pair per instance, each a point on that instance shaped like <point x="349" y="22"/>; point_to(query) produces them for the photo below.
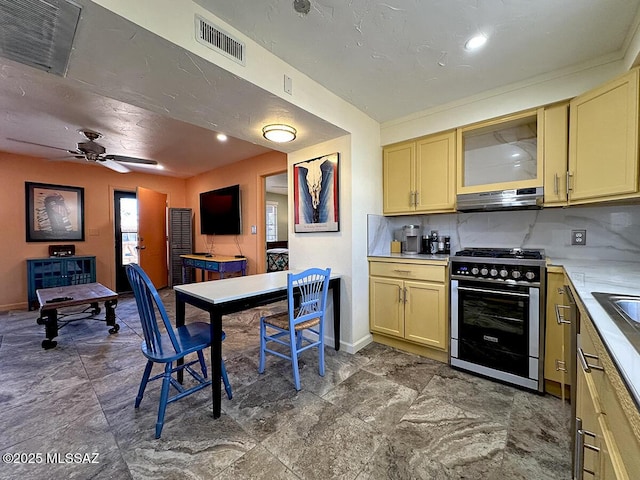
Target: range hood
<point x="514" y="199"/>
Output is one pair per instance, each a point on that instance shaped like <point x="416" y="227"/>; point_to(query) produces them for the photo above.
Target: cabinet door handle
<point x="556" y="188"/>
<point x="587" y="367"/>
<point x="561" y="366"/>
<point x="400" y="295"/>
<point x="416" y="198"/>
<point x="412" y="196"/>
<point x="579" y="450"/>
<point x="569" y="189"/>
<point x="559" y="317"/>
<point x="578" y="467"/>
<point x="588" y="446"/>
<point x="405" y="295"/>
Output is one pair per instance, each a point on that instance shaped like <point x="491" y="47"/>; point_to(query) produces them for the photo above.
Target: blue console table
<point x="216" y="263"/>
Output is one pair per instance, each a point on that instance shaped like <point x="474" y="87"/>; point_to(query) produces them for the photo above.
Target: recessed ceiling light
<point x="222" y="137"/>
<point x="475" y="42"/>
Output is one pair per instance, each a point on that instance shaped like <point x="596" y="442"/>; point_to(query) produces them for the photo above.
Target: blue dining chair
<point x="306" y="307"/>
<point x="166" y="347"/>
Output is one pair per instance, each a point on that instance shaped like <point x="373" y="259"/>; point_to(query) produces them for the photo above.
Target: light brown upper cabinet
<point x="502" y="153"/>
<point x="603" y="142"/>
<point x="556" y="153"/>
<point x="419" y="175"/>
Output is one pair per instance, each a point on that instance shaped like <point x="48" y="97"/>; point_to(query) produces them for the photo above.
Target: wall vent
<point x="38" y="33"/>
<point x="217" y="39"/>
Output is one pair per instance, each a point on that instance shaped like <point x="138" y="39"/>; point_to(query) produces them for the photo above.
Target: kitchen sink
<point x="629" y="307"/>
<point x="624" y="310"/>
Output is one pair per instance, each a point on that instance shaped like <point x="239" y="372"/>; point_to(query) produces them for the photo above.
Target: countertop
<point x="442" y="258"/>
<point x="610" y="277"/>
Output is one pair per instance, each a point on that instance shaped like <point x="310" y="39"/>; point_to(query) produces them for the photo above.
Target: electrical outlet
<point x="254" y="230"/>
<point x="578" y="237"/>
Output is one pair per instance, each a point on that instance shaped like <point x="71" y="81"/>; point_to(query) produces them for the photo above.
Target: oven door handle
<point x="499" y="292"/>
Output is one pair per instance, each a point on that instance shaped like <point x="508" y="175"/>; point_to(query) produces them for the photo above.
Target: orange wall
<point x="248" y="173"/>
<point x="98" y="183"/>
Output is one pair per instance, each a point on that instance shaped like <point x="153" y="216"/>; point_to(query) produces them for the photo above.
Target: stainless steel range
<point x="497" y="314"/>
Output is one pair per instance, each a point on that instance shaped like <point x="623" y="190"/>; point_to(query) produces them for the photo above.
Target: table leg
<point x="335" y="290"/>
<point x="110" y="312"/>
<point x="215" y="319"/>
<point x="179" y="323"/>
<point x="50" y="328"/>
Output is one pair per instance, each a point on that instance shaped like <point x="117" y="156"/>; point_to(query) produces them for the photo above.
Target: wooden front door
<point x="152" y="235"/>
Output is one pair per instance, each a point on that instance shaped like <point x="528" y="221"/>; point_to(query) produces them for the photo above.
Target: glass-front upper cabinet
<point x="501" y="153"/>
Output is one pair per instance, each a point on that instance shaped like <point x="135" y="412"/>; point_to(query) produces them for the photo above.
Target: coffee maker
<point x="411" y="239"/>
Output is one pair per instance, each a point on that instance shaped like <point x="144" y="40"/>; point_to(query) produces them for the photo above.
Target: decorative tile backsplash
<point x="613" y="232"/>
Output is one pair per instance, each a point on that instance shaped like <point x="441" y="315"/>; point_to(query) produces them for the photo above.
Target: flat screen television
<point x="220" y="211"/>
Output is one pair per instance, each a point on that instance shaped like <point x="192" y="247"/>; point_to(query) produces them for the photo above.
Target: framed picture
<point x="54" y="212"/>
<point x="315" y="195"/>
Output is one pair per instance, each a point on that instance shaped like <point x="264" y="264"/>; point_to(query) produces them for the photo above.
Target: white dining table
<point x="229" y="295"/>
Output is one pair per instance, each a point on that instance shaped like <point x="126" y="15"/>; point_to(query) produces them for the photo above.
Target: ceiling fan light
<point x="279" y="133"/>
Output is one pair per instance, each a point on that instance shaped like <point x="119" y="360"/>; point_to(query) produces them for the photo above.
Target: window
<point x="129" y="230"/>
<point x="272" y="222"/>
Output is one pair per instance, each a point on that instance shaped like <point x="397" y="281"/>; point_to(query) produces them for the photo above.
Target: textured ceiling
<point x="152" y="99"/>
<point x="382" y="56"/>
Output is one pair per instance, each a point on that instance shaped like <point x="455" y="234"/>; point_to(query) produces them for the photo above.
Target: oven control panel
<point x="497" y="271"/>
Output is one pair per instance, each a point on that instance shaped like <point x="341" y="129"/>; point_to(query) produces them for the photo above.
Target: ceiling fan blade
<point x="115" y="166"/>
<point x="37" y="144"/>
<point x="122" y="158"/>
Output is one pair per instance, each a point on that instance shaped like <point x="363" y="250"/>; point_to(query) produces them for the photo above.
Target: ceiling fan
<point x="92" y="151"/>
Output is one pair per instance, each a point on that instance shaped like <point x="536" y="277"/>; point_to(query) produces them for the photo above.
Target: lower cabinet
<point x="557" y="336"/>
<point x="608" y="421"/>
<point x="408" y="301"/>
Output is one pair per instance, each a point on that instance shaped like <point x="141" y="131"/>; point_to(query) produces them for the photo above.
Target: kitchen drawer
<point x="431" y="273"/>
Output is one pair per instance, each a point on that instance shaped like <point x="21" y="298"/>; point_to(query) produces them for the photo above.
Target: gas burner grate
<point x="501" y="253"/>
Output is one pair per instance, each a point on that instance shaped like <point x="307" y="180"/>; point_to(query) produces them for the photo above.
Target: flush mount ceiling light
<point x="279" y="133"/>
<point x="475" y="42"/>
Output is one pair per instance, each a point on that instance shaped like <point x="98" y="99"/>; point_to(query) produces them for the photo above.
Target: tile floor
<point x="379" y="414"/>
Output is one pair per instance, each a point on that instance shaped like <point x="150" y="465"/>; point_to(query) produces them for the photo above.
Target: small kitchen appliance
<point x="497" y="314"/>
<point x="411" y="239"/>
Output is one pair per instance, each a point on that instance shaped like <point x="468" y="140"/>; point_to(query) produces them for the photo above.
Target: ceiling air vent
<point x="38" y="33"/>
<point x="217" y="39"/>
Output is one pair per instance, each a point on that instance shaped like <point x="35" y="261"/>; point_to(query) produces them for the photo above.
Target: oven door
<point x="496" y="326"/>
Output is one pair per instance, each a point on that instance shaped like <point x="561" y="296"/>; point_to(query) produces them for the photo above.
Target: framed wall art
<point x="315" y="195"/>
<point x="54" y="212"/>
